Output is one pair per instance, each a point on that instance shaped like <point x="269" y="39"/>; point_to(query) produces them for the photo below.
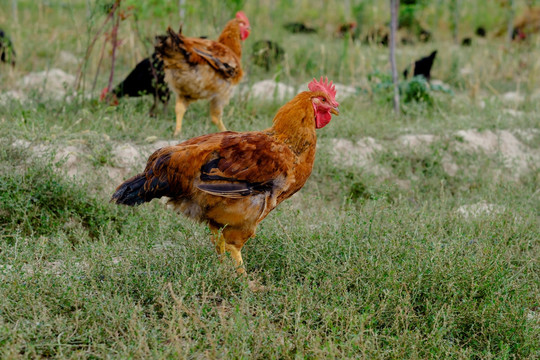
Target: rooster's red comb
<point x="324" y="86"/>
<point x="240" y="15"/>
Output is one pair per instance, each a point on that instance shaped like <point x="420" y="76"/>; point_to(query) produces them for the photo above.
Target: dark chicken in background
<point x="422" y="67"/>
<point x="299" y="28"/>
<point x="347" y="29"/>
<point x="266" y="54"/>
<point x="147" y="78"/>
<point x="480" y="31"/>
<point x="7" y="52"/>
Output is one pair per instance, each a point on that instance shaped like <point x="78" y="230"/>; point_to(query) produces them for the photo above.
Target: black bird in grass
<point x="480" y="31"/>
<point x="148" y="78"/>
<point x="422" y="67"/>
<point x="7" y="52"/>
<point x="267" y="53"/>
<point x="298" y="27"/>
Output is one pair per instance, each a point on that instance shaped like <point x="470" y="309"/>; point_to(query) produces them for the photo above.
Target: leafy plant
<point x="414" y="90"/>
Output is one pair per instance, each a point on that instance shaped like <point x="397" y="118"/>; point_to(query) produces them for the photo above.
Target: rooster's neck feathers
<point x="294" y="124"/>
<point x="230" y="37"/>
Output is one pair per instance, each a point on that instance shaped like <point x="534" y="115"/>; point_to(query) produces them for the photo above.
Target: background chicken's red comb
<point x="325" y="86"/>
<point x="242" y="16"/>
<point x="104" y="93"/>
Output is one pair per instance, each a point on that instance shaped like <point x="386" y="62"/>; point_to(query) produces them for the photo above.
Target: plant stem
<point x="114" y="41"/>
<point x="101" y="53"/>
<point x="454" y="8"/>
<point x="90" y="48"/>
<point x="510" y="25"/>
<point x="394" y="7"/>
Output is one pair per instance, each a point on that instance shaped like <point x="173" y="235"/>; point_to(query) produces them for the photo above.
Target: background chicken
<point x="204" y="69"/>
<point x="233" y="180"/>
<point x="7" y="52"/>
<point x="147" y="77"/>
<point x="526" y="24"/>
<point x="299" y="28"/>
<point x="422" y="66"/>
<point x="267" y="53"/>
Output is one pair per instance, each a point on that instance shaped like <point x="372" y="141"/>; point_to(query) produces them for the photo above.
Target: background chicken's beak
<point x="335" y="111"/>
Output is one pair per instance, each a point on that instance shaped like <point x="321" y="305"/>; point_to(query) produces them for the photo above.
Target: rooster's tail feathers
<point x="131" y="192"/>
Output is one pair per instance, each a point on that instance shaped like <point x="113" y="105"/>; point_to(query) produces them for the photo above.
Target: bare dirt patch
<point x="54" y="83"/>
<point x="513" y="153"/>
<point x="126" y="159"/>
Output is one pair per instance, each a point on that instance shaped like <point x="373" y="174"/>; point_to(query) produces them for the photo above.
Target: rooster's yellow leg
<point x="221" y="246"/>
<point x="237" y="257"/>
<point x="180" y="109"/>
<point x="216" y="113"/>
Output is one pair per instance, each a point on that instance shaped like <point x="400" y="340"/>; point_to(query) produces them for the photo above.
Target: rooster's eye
<point x="323" y="99"/>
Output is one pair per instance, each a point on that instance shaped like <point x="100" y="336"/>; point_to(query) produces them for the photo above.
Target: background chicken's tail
<point x="131" y="192"/>
<point x="172" y="43"/>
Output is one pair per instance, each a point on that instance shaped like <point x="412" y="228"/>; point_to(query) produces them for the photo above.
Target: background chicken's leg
<point x="216" y="113"/>
<point x="153" y="108"/>
<point x="180" y="109"/>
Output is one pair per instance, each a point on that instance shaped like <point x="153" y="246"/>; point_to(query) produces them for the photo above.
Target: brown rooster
<point x="232" y="180"/>
<point x="527" y="24"/>
<point x="198" y="68"/>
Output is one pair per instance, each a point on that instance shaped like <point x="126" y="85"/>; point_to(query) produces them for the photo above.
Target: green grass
<point x="359" y="264"/>
<point x="384" y="278"/>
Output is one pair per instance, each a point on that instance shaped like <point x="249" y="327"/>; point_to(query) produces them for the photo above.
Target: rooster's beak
<point x="335" y="111"/>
